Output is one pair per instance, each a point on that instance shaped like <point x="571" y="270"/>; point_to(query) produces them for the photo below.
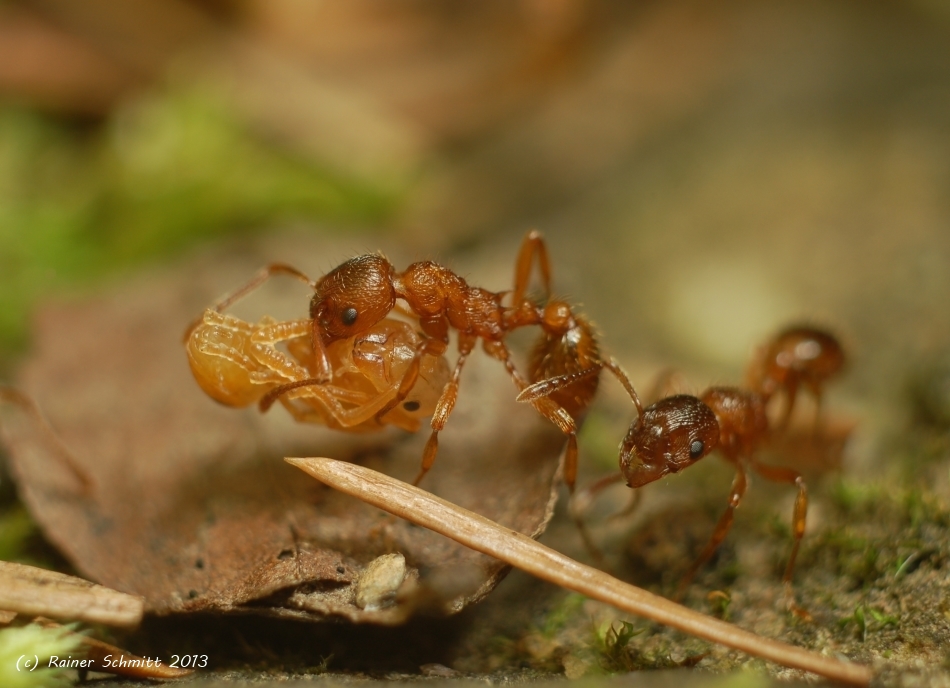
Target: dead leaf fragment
<point x="191" y="506"/>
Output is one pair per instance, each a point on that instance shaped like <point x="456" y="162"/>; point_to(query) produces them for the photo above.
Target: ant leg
<point x="538" y="398"/>
<point x="786" y="475"/>
<point x="739" y="485"/>
<point x="533" y="244"/>
<point x="256" y="281"/>
<point x="444" y="408"/>
<point x="791" y="393"/>
<point x="429" y="347"/>
<point x="18" y="398"/>
<point x="578" y="505"/>
<point x="331" y="398"/>
<point x="545" y="388"/>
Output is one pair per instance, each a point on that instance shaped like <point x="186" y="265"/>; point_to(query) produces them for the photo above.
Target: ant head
<point x="352" y="298"/>
<point x="670" y="435"/>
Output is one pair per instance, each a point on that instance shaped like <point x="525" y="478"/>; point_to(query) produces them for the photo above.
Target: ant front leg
<point x="428" y="347"/>
<point x="532" y="245"/>
<point x="739" y="485"/>
<point x="786" y="475"/>
<point x="537" y="395"/>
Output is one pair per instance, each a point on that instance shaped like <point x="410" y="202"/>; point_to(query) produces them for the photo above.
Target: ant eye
<point x="411" y="406"/>
<point x="696" y="449"/>
<point x="348" y="316"/>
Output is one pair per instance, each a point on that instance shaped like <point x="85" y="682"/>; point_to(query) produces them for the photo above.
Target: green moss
<point x="159" y="175"/>
<point x="35" y="645"/>
<point x="612" y="643"/>
<point x="558" y="618"/>
<point x="866" y="619"/>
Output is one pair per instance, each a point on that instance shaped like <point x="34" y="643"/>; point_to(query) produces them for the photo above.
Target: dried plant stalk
<point x="486" y="536"/>
<point x="37" y="592"/>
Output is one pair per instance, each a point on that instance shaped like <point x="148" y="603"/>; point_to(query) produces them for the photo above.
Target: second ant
<point x="677" y="431"/>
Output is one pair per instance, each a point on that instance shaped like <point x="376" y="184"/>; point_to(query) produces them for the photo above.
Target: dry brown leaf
<point x="192" y="506"/>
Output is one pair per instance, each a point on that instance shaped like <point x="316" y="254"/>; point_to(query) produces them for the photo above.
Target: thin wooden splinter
<point x="519" y="550"/>
<point x="37" y="592"/>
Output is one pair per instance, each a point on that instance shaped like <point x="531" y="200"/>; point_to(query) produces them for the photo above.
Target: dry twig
<point x="37" y="592"/>
<point x="485" y="536"/>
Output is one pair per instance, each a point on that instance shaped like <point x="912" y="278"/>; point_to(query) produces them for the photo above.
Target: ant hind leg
<point x="800" y="512"/>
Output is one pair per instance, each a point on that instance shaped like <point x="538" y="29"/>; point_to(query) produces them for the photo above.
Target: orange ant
<point x="798" y="356"/>
<point x="677" y="431"/>
<point x="349" y="301"/>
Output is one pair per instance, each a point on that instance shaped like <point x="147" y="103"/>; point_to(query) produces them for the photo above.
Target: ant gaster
<point x="798" y="356"/>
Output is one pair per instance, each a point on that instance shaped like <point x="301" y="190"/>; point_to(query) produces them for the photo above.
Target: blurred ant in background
<point x="677" y="431"/>
<point x="798" y="356"/>
<point x="350" y="302"/>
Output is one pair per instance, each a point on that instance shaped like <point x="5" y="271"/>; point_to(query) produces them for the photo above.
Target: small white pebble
<point x="379" y="582"/>
<point x="439" y="670"/>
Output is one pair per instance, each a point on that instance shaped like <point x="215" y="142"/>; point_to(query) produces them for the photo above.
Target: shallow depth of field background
<point x="703" y="174"/>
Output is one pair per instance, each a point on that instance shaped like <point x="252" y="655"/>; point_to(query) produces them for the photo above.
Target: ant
<point x="677" y="431"/>
<point x="798" y="356"/>
<point x="349" y="301"/>
<point x="237" y="364"/>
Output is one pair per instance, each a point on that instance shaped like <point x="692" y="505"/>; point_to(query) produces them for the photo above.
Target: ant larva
<point x="351" y="300"/>
<point x="237" y="364"/>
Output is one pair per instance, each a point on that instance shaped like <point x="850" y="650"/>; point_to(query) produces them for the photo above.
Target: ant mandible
<point x="351" y="299"/>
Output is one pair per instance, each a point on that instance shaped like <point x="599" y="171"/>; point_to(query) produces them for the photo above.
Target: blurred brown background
<point x="704" y="174"/>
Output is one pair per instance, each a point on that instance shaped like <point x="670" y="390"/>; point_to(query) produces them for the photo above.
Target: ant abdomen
<point x="798" y="356"/>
